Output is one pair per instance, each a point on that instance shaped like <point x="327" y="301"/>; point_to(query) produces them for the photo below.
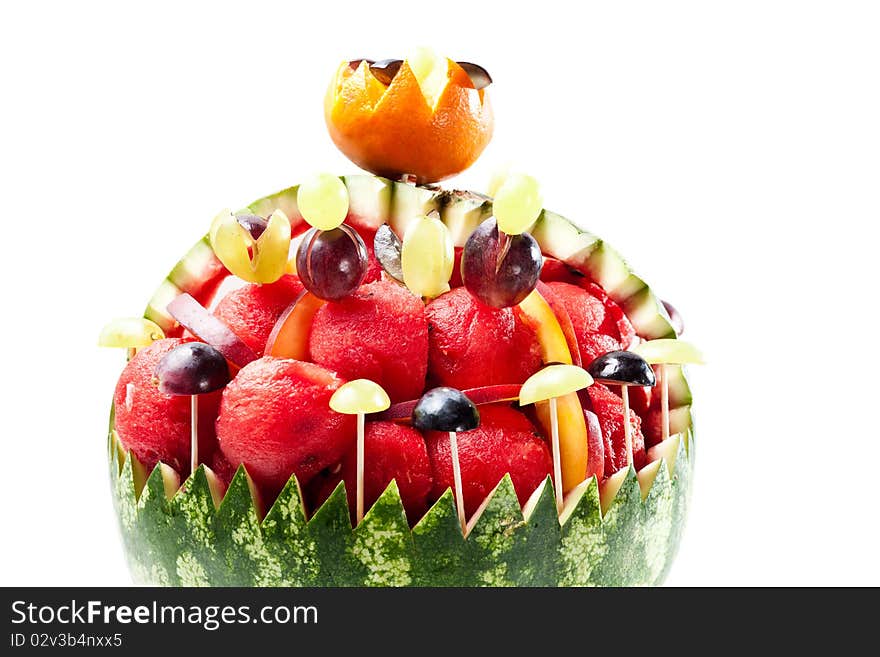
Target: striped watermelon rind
<point x="186" y="540"/>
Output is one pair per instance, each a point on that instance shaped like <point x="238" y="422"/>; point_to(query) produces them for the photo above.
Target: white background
<point x="730" y="150"/>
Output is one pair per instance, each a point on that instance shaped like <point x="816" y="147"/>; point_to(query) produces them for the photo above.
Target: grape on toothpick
<point x="549" y="384"/>
<point x="517" y="203"/>
<point x="192" y="368"/>
<point x="500" y="270"/>
<point x="323" y="201"/>
<point x="331" y="260"/>
<point x="360" y="397"/>
<point x="501" y="263"/>
<point x="448" y="409"/>
<point x="251" y="248"/>
<point x="663" y="352"/>
<point x="130" y="333"/>
<point x="623" y="368"/>
<point x="331" y="263"/>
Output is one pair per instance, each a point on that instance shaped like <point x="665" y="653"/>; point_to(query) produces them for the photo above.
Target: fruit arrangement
<point x="369" y="380"/>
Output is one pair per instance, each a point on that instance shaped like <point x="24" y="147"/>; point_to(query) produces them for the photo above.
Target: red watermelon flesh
<point x="391" y="451"/>
<point x="504" y="442"/>
<point x="378" y="333"/>
<point x="221" y="466"/>
<point x="275" y="418"/>
<point x="555" y="271"/>
<point x="609" y="408"/>
<point x="455" y="280"/>
<point x="251" y="311"/>
<point x="472" y="345"/>
<point x="599" y="324"/>
<point x="374" y="268"/>
<point x="156" y="426"/>
<point x="640" y="400"/>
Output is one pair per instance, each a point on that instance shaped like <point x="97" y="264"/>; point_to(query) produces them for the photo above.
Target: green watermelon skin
<point x="188" y="541"/>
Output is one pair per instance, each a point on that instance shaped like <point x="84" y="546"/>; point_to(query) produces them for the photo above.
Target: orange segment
<point x="290" y="336"/>
<point x="539" y="316"/>
<point x="573" y="448"/>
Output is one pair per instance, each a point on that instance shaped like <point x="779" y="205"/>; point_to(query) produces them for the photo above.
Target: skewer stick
<point x="664" y="352"/>
<point x="456" y="475"/>
<point x="627" y="429"/>
<point x="359" y="397"/>
<point x="194" y="432"/>
<point x="664" y="399"/>
<point x="360" y="468"/>
<point x="550" y="384"/>
<point x="557" y="456"/>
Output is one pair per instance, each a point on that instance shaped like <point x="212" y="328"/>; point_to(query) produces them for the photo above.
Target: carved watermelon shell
<point x="188" y="541"/>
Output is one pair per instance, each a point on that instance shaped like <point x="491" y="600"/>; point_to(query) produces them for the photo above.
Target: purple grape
<point x="674" y="318"/>
<point x="478" y="75"/>
<point x="192" y="368"/>
<point x="332" y="263"/>
<point x="354" y="63"/>
<point x="445" y="409"/>
<point x="253" y="224"/>
<point x="385" y="70"/>
<point x="500" y="270"/>
<point x="622" y="368"/>
<point x="387" y="247"/>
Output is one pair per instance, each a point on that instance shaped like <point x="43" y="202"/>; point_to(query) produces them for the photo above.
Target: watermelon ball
<point x="609" y="408"/>
<point x="378" y="333"/>
<point x="640" y="400"/>
<point x="275" y="419"/>
<point x="391" y="451"/>
<point x="156" y="426"/>
<point x="599" y="324"/>
<point x="251" y="311"/>
<point x="504" y="442"/>
<point x="472" y="345"/>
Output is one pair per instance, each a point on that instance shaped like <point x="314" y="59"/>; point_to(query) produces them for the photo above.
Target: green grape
<point x="669" y="351"/>
<point x="427" y="257"/>
<point x="261" y="260"/>
<point x="517" y="203"/>
<point x="130" y="333"/>
<point x="360" y="396"/>
<point x="554" y="381"/>
<point x="431" y="72"/>
<point x="323" y="201"/>
<point x="498" y="177"/>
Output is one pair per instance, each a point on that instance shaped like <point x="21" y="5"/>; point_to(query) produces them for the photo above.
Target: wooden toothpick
<point x="627" y="429"/>
<point x="194" y="432"/>
<point x="360" y="468"/>
<point x="557" y="455"/>
<point x="456" y="475"/>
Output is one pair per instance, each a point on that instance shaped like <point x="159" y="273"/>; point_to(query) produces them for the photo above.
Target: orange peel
<point x="394" y="131"/>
